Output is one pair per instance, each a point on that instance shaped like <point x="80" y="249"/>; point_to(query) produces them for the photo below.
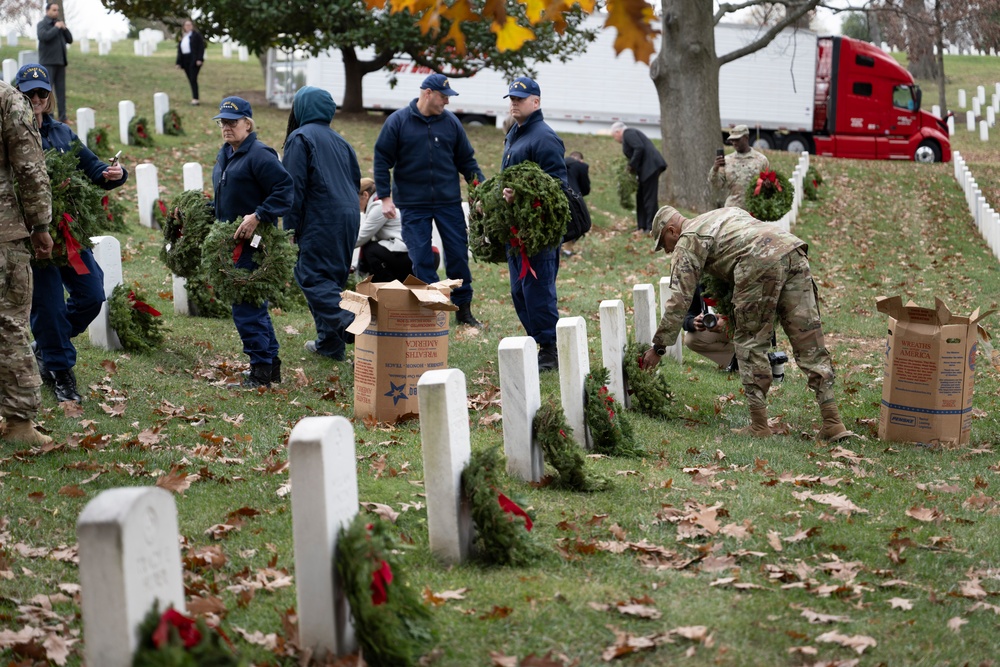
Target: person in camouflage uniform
<point x="734" y="172"/>
<point x="769" y="271"/>
<point x="21" y="162"/>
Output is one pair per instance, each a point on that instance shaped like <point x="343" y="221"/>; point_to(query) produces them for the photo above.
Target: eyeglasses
<point x="40" y="93"/>
<point x="227" y="122"/>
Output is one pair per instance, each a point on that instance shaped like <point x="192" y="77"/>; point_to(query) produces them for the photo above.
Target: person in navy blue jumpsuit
<point x="250" y="181"/>
<point x="54" y="320"/>
<point x="324" y="216"/>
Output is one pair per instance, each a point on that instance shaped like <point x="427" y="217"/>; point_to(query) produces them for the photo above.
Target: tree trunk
<point x="354" y="73"/>
<point x="923" y="64"/>
<point x="939" y="33"/>
<point x="686" y="75"/>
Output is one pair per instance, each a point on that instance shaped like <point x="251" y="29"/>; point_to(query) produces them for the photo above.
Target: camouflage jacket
<point x="728" y="243"/>
<point x="23" y="162"/>
<point x="740" y="170"/>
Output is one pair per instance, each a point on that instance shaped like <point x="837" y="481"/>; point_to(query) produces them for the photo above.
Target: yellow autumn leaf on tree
<point x="457" y="14"/>
<point x="632" y="19"/>
<point x="415" y="6"/>
<point x="535" y="9"/>
<point x="511" y="36"/>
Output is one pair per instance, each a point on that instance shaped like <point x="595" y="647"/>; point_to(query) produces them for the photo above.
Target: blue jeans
<point x="534" y="296"/>
<point x="253" y="321"/>
<point x="56" y="320"/>
<point x="455" y="239"/>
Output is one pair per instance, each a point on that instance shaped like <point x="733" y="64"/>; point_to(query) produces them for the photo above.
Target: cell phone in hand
<point x="114" y="160"/>
<point x="719" y="152"/>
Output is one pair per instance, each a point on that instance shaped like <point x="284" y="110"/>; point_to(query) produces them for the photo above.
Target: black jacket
<point x="197" y="48"/>
<point x="52" y="42"/>
<point x="642" y="155"/>
<point x="578" y="175"/>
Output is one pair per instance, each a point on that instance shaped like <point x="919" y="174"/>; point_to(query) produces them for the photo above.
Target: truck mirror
<point x="918" y="95"/>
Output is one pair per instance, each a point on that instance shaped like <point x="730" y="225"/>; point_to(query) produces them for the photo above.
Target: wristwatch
<point x="660" y="350"/>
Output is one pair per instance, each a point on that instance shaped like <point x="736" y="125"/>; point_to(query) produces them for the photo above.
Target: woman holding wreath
<point x="54" y="320"/>
<point x="249" y="181"/>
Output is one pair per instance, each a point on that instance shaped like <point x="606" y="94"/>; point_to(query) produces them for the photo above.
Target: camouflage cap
<point x="660" y="221"/>
<point x="738" y="132"/>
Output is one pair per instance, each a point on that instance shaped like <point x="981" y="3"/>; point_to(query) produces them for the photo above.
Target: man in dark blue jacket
<point x="324" y="214"/>
<point x="534" y="295"/>
<point x="426" y="148"/>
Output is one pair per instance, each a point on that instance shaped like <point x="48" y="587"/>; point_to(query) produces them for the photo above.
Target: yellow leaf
<point x="458" y="13"/>
<point x="414" y="6"/>
<point x="632" y="19"/>
<point x="511" y="36"/>
<point x="536" y="10"/>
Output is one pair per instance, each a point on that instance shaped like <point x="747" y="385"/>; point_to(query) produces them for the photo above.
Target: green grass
<point x="880" y="228"/>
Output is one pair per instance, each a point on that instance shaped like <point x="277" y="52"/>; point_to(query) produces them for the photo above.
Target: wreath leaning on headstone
<point x="115" y="212"/>
<point x="202" y="300"/>
<point x="274" y="256"/>
<point x="648" y="390"/>
<point x="393" y="626"/>
<point x="627" y="182"/>
<point x="98" y="140"/>
<point x="562" y="452"/>
<point x="138" y="132"/>
<point x="189" y="218"/>
<point x="137" y="324"/>
<point x="503" y="529"/>
<point x="172" y="123"/>
<point x="811" y="183"/>
<point x="769" y="197"/>
<point x="610" y="430"/>
<point x="171" y="639"/>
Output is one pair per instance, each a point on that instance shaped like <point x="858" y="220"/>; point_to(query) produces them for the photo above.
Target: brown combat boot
<point x="833" y="429"/>
<point x="23" y="432"/>
<point x="758" y="427"/>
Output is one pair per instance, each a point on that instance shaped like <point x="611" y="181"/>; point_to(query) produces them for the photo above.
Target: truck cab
<point x="867" y="106"/>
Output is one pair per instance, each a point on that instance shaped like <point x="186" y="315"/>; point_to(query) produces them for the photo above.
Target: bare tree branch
<point x="791" y="16"/>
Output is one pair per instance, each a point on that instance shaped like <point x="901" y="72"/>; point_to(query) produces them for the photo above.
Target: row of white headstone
<point x="798" y="178"/>
<point x="986" y="218"/>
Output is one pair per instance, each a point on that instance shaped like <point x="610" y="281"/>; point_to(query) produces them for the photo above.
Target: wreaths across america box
<point x="401" y="330"/>
<point x="930" y="372"/>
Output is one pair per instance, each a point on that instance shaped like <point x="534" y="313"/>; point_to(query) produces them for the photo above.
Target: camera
<point x="709" y="320"/>
<point x="778" y="361"/>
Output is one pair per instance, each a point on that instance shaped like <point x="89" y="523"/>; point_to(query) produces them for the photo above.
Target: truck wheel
<point x="927" y="151"/>
<point x="765" y="142"/>
<point x="796" y="143"/>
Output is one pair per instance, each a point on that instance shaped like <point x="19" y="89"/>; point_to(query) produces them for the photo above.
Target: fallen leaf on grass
<point x="383" y="511"/>
<point x="72" y="491"/>
<point x="71" y="409"/>
<point x="924" y="513"/>
<point x="839" y="502"/>
<point x="856" y="642"/>
<point x="816" y="618"/>
<point x="199" y="606"/>
<point x="803" y="650"/>
<point x="498" y="659"/>
<point x="438" y="599"/>
<point x="901" y="603"/>
<point x="640" y="610"/>
<point x="955" y="623"/>
<point x="176" y="480"/>
<point x="497" y="612"/>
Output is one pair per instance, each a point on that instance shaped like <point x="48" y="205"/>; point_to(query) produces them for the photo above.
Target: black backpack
<point x="579" y="216"/>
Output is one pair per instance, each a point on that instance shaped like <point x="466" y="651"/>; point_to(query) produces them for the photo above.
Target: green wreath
<point x="137" y="324"/>
<point x="648" y="391"/>
<point x="535" y="221"/>
<point x="171" y="639"/>
<point x="811" y="183"/>
<point x="482" y="246"/>
<point x="769" y="196"/>
<point x="189" y="218"/>
<point x="138" y="132"/>
<point x="393" y="626"/>
<point x="610" y="431"/>
<point x="98" y="140"/>
<point x="503" y="529"/>
<point x="561" y="451"/>
<point x="203" y="301"/>
<point x="628" y="184"/>
<point x="172" y="124"/>
<point x="722" y="292"/>
<point x="116" y="213"/>
<point x="275" y="257"/>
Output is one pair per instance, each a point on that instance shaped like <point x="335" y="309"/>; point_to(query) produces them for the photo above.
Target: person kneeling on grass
<point x="769" y="271"/>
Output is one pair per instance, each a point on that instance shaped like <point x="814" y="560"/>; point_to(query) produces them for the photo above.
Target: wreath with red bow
<point x="562" y="452"/>
<point x="610" y="430"/>
<point x="811" y="183"/>
<point x="98" y="140"/>
<point x="648" y="390"/>
<point x="137" y="323"/>
<point x="392" y="624"/>
<point x="769" y="197"/>
<point x="189" y="218"/>
<point x="172" y="124"/>
<point x="138" y="132"/>
<point x="172" y="639"/>
<point x="274" y="255"/>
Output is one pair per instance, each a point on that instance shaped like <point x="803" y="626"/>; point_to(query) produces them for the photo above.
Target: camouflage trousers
<point x="787" y="292"/>
<point x="20" y="393"/>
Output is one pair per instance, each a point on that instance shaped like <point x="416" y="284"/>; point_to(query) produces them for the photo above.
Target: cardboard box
<point x="401" y="330"/>
<point x="930" y="372"/>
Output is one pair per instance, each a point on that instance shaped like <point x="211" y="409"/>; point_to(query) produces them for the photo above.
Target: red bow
<point x="106" y="203"/>
<point x="381" y="578"/>
<point x="163" y="207"/>
<point x="186" y="629"/>
<point x="767" y="177"/>
<point x="73" y="246"/>
<point x="141" y="131"/>
<point x="142" y="306"/>
<point x="510" y="507"/>
<point x="516" y="242"/>
<point x="237" y="252"/>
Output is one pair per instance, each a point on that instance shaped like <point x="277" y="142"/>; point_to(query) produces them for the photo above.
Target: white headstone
<point x="84" y="45"/>
<point x="108" y="254"/>
<point x="574" y="367"/>
<point x="444" y="434"/>
<point x="984" y="131"/>
<point x="12" y="37"/>
<point x="613" y="340"/>
<point x="970" y="121"/>
<point x="227" y="49"/>
<point x="148" y="48"/>
<point x="981" y="94"/>
<point x="996" y="87"/>
<point x="103" y="47"/>
<point x="520" y="393"/>
<point x="193" y="179"/>
<point x="324" y="478"/>
<point x="951" y="126"/>
<point x="961" y="98"/>
<point x="85" y="122"/>
<point x="137" y="47"/>
<point x="129" y="559"/>
<point x="244" y="54"/>
<point x="26" y="58"/>
<point x="936" y="111"/>
<point x="644" y="306"/>
<point x="991" y="116"/>
<point x="9" y="70"/>
<point x="995" y="102"/>
<point x="147" y="192"/>
<point x="181" y="304"/>
<point x="161" y="105"/>
<point x="975" y="106"/>
<point x="675" y="351"/>
<point x="126" y="112"/>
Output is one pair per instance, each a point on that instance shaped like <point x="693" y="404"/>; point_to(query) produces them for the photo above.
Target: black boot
<point x="47" y="378"/>
<point x="64" y="385"/>
<point x="464" y="316"/>
<point x="260" y="376"/>
<point x="733" y="366"/>
<point x="548" y="358"/>
<point x="275" y="371"/>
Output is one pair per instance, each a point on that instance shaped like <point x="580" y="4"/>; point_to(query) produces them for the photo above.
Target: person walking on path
<point x="23" y="163"/>
<point x="324" y="217"/>
<point x="733" y="173"/>
<point x="425" y="147"/>
<point x="646" y="162"/>
<point x="191" y="56"/>
<point x="53" y="39"/>
<point x="770" y="273"/>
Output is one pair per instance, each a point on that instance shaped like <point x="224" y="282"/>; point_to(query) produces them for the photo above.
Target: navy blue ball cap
<point x="438" y="82"/>
<point x="233" y="108"/>
<point x="523" y="87"/>
<point x="32" y="76"/>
